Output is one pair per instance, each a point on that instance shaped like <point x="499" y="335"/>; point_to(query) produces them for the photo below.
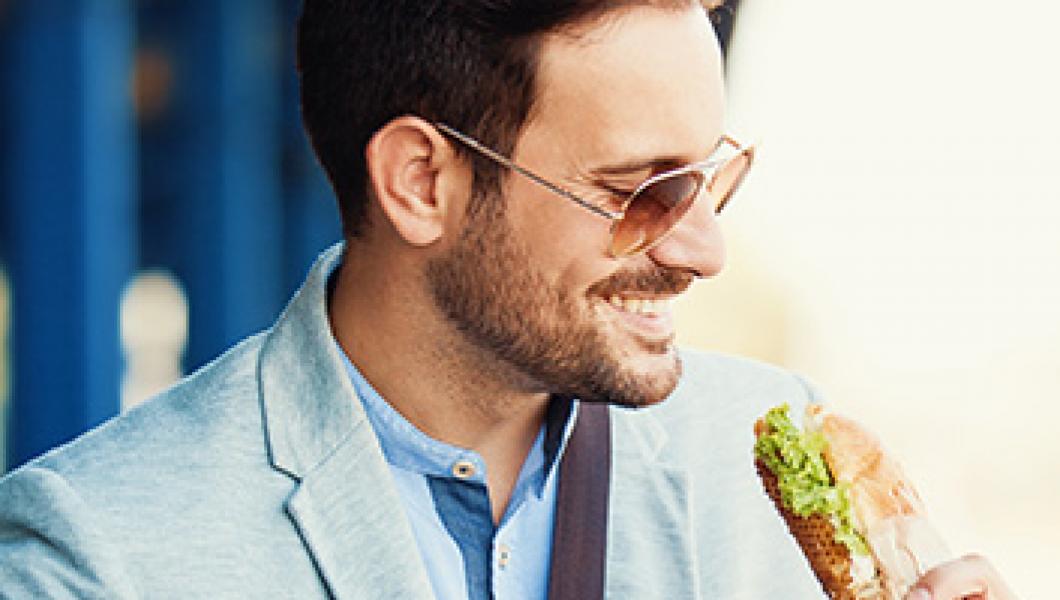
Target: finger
<point x="971" y="577"/>
<point x="922" y="594"/>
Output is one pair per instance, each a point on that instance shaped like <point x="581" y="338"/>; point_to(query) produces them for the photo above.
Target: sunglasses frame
<point x="702" y="168"/>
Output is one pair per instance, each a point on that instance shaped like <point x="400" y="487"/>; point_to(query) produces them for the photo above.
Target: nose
<point x="695" y="243"/>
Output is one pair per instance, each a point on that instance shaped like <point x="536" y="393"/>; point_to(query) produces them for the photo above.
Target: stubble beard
<point x="487" y="288"/>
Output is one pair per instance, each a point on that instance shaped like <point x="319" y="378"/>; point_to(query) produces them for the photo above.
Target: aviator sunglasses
<point x="657" y="204"/>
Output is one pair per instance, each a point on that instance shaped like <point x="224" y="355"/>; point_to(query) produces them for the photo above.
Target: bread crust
<point x="830" y="561"/>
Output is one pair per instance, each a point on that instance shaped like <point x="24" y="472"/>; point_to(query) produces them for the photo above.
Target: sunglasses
<point x="657" y="204"/>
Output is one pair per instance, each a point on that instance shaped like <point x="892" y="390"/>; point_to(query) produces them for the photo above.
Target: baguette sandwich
<point x="859" y="522"/>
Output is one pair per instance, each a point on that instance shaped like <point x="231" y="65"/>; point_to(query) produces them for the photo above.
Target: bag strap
<point x="579" y="539"/>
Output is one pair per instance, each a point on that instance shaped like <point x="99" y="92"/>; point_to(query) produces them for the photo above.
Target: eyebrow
<point x="638" y="164"/>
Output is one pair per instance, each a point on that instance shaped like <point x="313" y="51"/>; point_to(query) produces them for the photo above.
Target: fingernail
<point x="919" y="594"/>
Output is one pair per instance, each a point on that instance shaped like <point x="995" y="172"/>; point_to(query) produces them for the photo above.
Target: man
<point x="524" y="187"/>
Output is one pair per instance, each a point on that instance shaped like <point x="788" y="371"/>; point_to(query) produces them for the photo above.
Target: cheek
<point x="555" y="223"/>
<point x="571" y="265"/>
<point x="567" y="244"/>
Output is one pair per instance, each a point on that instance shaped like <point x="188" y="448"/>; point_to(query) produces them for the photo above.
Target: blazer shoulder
<point x="210" y="412"/>
<point x="50" y="546"/>
<point x="719" y="396"/>
<point x="708" y="375"/>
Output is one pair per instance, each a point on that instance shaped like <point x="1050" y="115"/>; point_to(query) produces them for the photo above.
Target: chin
<point x="642" y="381"/>
<point x="659" y="384"/>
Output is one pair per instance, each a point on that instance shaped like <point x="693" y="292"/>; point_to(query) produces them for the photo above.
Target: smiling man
<point x="477" y="395"/>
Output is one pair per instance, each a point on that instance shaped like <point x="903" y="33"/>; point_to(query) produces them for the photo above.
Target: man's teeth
<point x="640" y="306"/>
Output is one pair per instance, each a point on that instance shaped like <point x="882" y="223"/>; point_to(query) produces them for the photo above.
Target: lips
<point x="645" y="318"/>
<point x="640" y="299"/>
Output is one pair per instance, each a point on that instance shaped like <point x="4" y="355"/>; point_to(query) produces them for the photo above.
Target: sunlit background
<point x="896" y="242"/>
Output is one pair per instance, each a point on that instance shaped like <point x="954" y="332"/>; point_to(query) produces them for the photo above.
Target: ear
<point x="409" y="168"/>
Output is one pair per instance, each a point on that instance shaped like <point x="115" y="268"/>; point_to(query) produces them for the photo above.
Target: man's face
<point x="531" y="281"/>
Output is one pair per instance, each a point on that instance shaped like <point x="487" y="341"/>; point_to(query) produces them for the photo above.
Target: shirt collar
<point x="407" y="447"/>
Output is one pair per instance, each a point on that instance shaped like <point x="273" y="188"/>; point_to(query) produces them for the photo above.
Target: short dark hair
<point x="469" y="63"/>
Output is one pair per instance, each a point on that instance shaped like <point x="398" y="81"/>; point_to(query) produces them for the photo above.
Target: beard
<point x="488" y="289"/>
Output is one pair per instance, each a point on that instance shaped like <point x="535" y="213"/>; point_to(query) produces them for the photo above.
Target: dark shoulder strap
<point x="579" y="539"/>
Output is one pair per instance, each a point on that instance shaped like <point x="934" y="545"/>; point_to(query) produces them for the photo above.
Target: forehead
<point x="641" y="83"/>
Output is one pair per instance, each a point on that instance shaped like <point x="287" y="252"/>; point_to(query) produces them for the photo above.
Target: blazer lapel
<point x="651" y="544"/>
<point x="345" y="506"/>
<point x="351" y="520"/>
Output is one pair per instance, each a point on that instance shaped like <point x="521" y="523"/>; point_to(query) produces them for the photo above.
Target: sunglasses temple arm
<point x="497" y="157"/>
<point x="562" y="192"/>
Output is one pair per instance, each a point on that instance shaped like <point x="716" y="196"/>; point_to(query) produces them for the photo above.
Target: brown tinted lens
<point x="653" y="212"/>
<point x="727" y="179"/>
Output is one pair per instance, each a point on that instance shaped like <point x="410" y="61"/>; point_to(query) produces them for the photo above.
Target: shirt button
<point x="463" y="469"/>
<point x="504" y="556"/>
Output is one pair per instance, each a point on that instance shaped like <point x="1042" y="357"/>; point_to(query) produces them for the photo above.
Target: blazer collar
<point x="345" y="505"/>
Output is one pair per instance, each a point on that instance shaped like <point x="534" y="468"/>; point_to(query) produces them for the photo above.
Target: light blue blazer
<point x="259" y="476"/>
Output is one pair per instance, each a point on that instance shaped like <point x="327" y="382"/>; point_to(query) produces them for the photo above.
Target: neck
<point x="424" y="368"/>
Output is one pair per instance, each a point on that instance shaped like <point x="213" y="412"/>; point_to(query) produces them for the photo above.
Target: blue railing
<point x="139" y="135"/>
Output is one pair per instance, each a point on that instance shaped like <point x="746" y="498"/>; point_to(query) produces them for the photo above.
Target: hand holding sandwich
<point x="858" y="519"/>
<point x="968" y="578"/>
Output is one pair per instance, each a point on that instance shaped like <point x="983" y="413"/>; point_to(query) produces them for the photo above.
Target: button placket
<point x="504" y="556"/>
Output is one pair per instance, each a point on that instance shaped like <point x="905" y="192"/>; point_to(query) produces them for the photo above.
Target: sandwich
<point x="856" y="517"/>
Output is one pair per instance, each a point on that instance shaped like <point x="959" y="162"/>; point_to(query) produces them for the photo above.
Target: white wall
<point x="898" y="242"/>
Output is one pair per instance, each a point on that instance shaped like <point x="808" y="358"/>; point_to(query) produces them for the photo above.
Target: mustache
<point x="653" y="280"/>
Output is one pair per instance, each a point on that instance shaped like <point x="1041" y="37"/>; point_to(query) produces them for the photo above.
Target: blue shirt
<point x="443" y="488"/>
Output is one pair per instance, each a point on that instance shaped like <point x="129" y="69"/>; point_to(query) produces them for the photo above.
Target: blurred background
<point x="896" y="242"/>
<point x="158" y="200"/>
